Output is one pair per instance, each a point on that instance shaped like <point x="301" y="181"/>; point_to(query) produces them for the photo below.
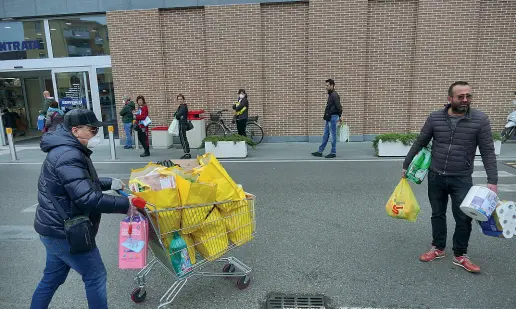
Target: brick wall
<point x="392" y="60"/>
<point x="337" y="50"/>
<point x="137" y="60"/>
<point x="285" y="68"/>
<point x="391" y="33"/>
<point x="234" y="44"/>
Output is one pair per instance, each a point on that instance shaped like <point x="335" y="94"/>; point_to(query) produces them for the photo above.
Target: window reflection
<point x="79" y="37"/>
<point x="107" y="99"/>
<point x="22" y="40"/>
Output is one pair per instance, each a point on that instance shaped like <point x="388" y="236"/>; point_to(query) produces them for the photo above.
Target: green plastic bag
<point x="419" y="166"/>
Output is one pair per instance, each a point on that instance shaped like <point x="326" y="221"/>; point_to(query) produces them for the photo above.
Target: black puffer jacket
<point x="68" y="174"/>
<point x="453" y="151"/>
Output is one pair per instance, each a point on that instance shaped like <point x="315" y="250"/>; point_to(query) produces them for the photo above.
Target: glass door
<point x="77" y="87"/>
<point x="107" y="99"/>
<point x="72" y="88"/>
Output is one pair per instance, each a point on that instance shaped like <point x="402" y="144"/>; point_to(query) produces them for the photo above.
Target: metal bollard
<point x="12" y="149"/>
<point x="135" y="133"/>
<point x="111" y="130"/>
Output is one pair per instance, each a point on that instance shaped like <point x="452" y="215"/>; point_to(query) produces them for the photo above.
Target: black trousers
<point x="143" y="138"/>
<point x="439" y="188"/>
<point x="183" y="139"/>
<point x="241" y="125"/>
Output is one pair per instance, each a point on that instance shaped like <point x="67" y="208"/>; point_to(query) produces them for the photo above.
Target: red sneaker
<point x="464" y="262"/>
<point x="431" y="255"/>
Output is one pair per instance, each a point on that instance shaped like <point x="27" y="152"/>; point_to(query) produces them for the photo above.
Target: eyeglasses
<point x="467" y="96"/>
<point x="93" y="130"/>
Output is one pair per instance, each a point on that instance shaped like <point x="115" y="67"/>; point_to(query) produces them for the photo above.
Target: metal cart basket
<point x="210" y="231"/>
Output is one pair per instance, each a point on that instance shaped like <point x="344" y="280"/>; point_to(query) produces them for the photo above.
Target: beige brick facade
<point x="392" y="61"/>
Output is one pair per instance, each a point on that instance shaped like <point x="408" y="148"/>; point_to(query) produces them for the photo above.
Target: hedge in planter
<point x="404" y="138"/>
<point x="229" y="138"/>
<point x="409" y="138"/>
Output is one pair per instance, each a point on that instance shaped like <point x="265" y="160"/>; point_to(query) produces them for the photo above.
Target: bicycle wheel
<point x="254" y="132"/>
<point x="507" y="134"/>
<point x="215" y="129"/>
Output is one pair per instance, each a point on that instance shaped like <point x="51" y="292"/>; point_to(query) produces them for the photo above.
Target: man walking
<point x="332" y="115"/>
<point x="456" y="130"/>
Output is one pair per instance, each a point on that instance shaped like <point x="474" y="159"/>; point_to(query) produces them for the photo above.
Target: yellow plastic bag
<point x="211" y="171"/>
<point x="239" y="222"/>
<point x="194" y="193"/>
<point x="211" y="238"/>
<point x="403" y="204"/>
<point x="169" y="220"/>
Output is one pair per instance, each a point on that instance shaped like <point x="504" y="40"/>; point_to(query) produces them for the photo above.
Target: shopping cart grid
<point x="212" y="230"/>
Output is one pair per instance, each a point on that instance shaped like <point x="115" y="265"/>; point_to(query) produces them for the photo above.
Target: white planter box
<point x="392" y="149"/>
<point x="497" y="145"/>
<point x="227" y="149"/>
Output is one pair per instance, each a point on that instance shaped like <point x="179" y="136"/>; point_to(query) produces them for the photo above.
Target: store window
<point x="22" y="40"/>
<point x="79" y="36"/>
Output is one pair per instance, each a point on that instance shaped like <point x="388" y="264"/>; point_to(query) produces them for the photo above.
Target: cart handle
<point x="137" y="201"/>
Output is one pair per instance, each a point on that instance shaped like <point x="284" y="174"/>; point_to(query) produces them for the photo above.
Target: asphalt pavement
<point x="321" y="228"/>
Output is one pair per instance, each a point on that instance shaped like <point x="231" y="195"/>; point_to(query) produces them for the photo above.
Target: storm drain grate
<point x="278" y="301"/>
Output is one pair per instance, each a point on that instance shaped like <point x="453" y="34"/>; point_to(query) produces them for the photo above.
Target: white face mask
<point x="94" y="141"/>
<point x="241" y="96"/>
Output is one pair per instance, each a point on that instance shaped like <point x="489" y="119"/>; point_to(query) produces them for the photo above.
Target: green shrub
<point x="229" y="138"/>
<point x="404" y="138"/>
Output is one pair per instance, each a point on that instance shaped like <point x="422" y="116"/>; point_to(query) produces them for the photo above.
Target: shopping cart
<point x="210" y="232"/>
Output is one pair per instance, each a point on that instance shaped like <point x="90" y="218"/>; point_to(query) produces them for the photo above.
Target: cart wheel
<point x="243" y="282"/>
<point x="229" y="268"/>
<point x="137" y="297"/>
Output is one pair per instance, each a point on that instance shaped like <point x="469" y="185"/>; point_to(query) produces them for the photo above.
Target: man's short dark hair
<point x="331" y="82"/>
<point x="180" y="96"/>
<point x="458" y="83"/>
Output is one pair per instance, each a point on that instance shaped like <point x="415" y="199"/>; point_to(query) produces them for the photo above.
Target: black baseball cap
<point x="82" y="117"/>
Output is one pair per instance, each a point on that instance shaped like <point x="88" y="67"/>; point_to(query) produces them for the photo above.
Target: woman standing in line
<point x="181" y="115"/>
<point x="143" y="131"/>
<point x="241" y="108"/>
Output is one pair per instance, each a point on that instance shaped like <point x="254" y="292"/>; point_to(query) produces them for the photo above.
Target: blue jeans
<point x="128" y="134"/>
<point x="330" y="127"/>
<point x="59" y="261"/>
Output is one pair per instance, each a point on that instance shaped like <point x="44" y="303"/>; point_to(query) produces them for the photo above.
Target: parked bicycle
<point x="217" y="127"/>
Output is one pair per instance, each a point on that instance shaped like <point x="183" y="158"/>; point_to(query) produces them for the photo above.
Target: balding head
<point x="46" y="94"/>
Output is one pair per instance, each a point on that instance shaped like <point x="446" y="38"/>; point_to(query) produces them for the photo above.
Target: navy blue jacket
<point x="68" y="174"/>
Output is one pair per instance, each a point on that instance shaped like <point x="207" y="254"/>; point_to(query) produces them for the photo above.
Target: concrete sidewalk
<point x="294" y="151"/>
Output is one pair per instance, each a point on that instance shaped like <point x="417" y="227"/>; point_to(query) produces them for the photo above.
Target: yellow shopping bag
<point x="239" y="222"/>
<point x="403" y="204"/>
<point x="211" y="171"/>
<point x="194" y="193"/>
<point x="168" y="220"/>
<point x="211" y="239"/>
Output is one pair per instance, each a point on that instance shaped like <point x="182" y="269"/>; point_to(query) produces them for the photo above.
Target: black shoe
<point x="186" y="156"/>
<point x="145" y="154"/>
<point x="317" y="154"/>
<point x="330" y="156"/>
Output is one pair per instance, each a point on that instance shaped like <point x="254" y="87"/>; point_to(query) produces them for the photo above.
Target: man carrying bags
<point x="456" y="131"/>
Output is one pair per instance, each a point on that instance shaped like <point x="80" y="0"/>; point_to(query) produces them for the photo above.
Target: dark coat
<point x="68" y="174"/>
<point x="453" y="150"/>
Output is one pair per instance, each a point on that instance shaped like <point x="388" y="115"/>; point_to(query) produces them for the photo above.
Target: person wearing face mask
<point x="455" y="131"/>
<point x="241" y="108"/>
<point x="70" y="189"/>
